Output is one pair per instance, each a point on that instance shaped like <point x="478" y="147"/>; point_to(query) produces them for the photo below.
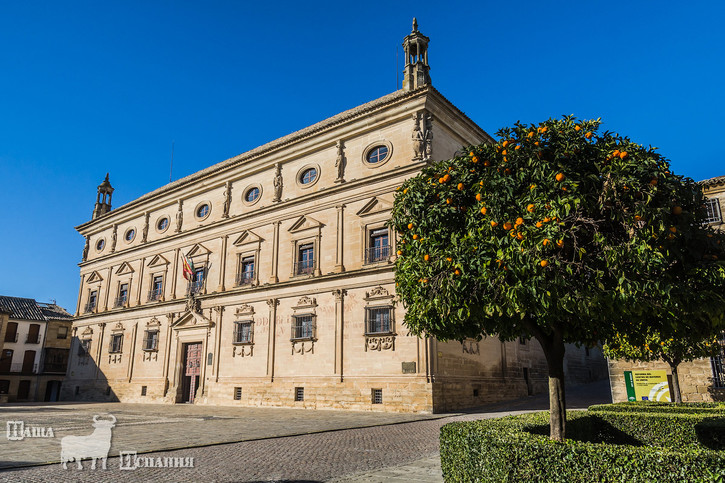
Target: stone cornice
<point x="381" y="103"/>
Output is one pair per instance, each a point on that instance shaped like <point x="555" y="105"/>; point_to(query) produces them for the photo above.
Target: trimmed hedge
<point x="659" y="407"/>
<point x="518" y="449"/>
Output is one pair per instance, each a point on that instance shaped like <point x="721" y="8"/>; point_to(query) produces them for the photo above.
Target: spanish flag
<point x="188" y="270"/>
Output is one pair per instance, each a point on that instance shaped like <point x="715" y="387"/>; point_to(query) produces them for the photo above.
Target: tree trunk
<point x="553" y="347"/>
<point x="675" y="383"/>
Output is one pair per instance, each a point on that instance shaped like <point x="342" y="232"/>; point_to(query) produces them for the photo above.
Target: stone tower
<point x="103" y="199"/>
<point x="416" y="71"/>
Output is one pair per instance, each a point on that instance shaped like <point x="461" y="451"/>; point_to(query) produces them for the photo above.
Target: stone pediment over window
<point x="158" y="261"/>
<point x="192" y="320"/>
<point x="87" y="332"/>
<point x="154" y="322"/>
<point x="374" y="206"/>
<point x="305" y="302"/>
<point x="247" y="237"/>
<point x="197" y="251"/>
<point x="118" y="327"/>
<point x="304" y="223"/>
<point x="95" y="277"/>
<point x="244" y="309"/>
<point x="124" y="269"/>
<point x="378" y="293"/>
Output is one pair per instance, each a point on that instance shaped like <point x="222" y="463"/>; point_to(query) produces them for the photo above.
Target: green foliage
<point x="555" y="229"/>
<point x="515" y="449"/>
<point x="708" y="408"/>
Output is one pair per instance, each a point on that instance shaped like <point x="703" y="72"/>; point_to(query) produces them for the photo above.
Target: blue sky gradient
<point x="95" y="87"/>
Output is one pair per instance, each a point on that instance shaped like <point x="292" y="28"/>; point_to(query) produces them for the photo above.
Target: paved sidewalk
<point x="406" y="451"/>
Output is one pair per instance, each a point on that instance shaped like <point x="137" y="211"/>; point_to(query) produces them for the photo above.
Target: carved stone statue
<point x="428" y="137"/>
<point x="114" y="238"/>
<point x="422" y="136"/>
<point x="179" y="217"/>
<point x="418" y="143"/>
<point x="277" y="182"/>
<point x="85" y="248"/>
<point x="340" y="162"/>
<point x="227" y="199"/>
<point x="145" y="232"/>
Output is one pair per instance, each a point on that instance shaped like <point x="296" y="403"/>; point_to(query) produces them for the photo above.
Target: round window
<point x="100" y="244"/>
<point x="377" y="154"/>
<point x="308" y="176"/>
<point x="251" y="195"/>
<point x="130" y="235"/>
<point x="162" y="224"/>
<point x="202" y="211"/>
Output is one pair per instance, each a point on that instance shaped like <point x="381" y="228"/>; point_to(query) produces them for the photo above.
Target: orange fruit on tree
<point x="447" y="177"/>
<point x="449" y="259"/>
<point x="577" y="127"/>
<point x="530" y="135"/>
<point x="653" y="182"/>
<point x="512" y="233"/>
<point x="484" y="210"/>
<point x="480" y="183"/>
<point x="536" y="143"/>
<point x="637" y="218"/>
<point x="616" y="153"/>
<point x="673" y="229"/>
<point x="478" y="197"/>
<point x="410" y="226"/>
<point x="532" y="186"/>
<point x="517" y="147"/>
<point x="441" y="180"/>
<point x="543" y="263"/>
<point x="449" y="201"/>
<point x="400" y="252"/>
<point x="460" y="186"/>
<point x="506" y="171"/>
<point x="560" y="243"/>
<point x="415" y="237"/>
<point x="560" y="177"/>
<point x="519" y="221"/>
<point x="505" y="143"/>
<point x="519" y="236"/>
<point x="677" y="210"/>
<point x="530" y="208"/>
<point x="494" y="224"/>
<point x="546" y="241"/>
<point x="426" y="257"/>
<point x="457" y="272"/>
<point x="623" y="155"/>
<point x="503" y="152"/>
<point x="471" y="153"/>
<point x="474" y="159"/>
<point x="507" y="225"/>
<point x="539" y="224"/>
<point x="588" y="135"/>
<point x="547" y="219"/>
<point x="486" y="163"/>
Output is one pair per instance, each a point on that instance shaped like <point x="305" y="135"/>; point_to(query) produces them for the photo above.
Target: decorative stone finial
<point x="416" y="70"/>
<point x="415" y="24"/>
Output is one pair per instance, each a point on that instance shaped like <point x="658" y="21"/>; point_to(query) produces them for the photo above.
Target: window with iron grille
<point x="84" y="348"/>
<point x="237" y="393"/>
<point x="377" y="396"/>
<point x="243" y="332"/>
<point x="305" y="264"/>
<point x="712" y="210"/>
<point x="197" y="283"/>
<point x="116" y="343"/>
<point x="157" y="287"/>
<point x="718" y="365"/>
<point x="379" y="320"/>
<point x="379" y="248"/>
<point x="303" y="327"/>
<point x="92" y="300"/>
<point x="299" y="394"/>
<point x="122" y="295"/>
<point x="151" y="340"/>
<point x="246" y="271"/>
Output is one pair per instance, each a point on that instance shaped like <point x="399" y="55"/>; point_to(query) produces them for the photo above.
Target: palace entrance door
<point x="191" y="371"/>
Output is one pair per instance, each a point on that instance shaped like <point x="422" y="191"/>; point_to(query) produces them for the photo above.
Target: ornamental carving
<point x="88" y="331"/>
<point x="278" y="183"/>
<point x="145" y="232"/>
<point x="118" y="327"/>
<point x="340" y="162"/>
<point x="422" y="136"/>
<point x="114" y="358"/>
<point x="306" y="301"/>
<point x="244" y="309"/>
<point x="377" y="292"/>
<point x="339" y="293"/>
<point x="471" y="347"/>
<point x="150" y="355"/>
<point x="227" y="199"/>
<point x="380" y="343"/>
<point x="179" y="217"/>
<point x="244" y="350"/>
<point x="154" y="322"/>
<point x="303" y="346"/>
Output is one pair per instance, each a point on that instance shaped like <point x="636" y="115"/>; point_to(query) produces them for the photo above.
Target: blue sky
<point x="95" y="87"/>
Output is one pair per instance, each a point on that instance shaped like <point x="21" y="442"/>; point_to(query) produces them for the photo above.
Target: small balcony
<point x="120" y="301"/>
<point x="304" y="267"/>
<point x="11" y="337"/>
<point x="377" y="254"/>
<point x="54" y="368"/>
<point x="156" y="294"/>
<point x="245" y="278"/>
<point x="195" y="287"/>
<point x="22" y="368"/>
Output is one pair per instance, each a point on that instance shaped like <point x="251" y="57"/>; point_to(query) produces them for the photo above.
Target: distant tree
<point x="555" y="232"/>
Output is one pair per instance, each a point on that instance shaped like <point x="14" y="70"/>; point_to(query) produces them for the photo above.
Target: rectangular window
<point x="243" y="332"/>
<point x="305" y="260"/>
<point x="197" y="283"/>
<point x="237" y="393"/>
<point x="122" y="298"/>
<point x="62" y="332"/>
<point x="150" y="340"/>
<point x="4" y="386"/>
<point x="92" y="300"/>
<point x="33" y="334"/>
<point x="712" y="210"/>
<point x="377" y="396"/>
<point x="379" y="249"/>
<point x="143" y="390"/>
<point x="11" y="332"/>
<point x="84" y="348"/>
<point x="157" y="288"/>
<point x="6" y="360"/>
<point x="299" y="394"/>
<point x="116" y="343"/>
<point x="303" y="327"/>
<point x="379" y="320"/>
<point x="246" y="271"/>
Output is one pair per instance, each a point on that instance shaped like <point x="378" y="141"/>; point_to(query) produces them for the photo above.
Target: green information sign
<point x="629" y="382"/>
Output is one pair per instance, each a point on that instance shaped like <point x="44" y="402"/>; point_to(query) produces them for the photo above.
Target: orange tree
<point x="556" y="232"/>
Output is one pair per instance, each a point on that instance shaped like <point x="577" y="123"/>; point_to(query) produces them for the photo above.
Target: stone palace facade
<point x="293" y="299"/>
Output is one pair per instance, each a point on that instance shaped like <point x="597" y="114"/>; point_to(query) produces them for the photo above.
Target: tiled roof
<point x="54" y="312"/>
<point x="712" y="181"/>
<point x="29" y="309"/>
